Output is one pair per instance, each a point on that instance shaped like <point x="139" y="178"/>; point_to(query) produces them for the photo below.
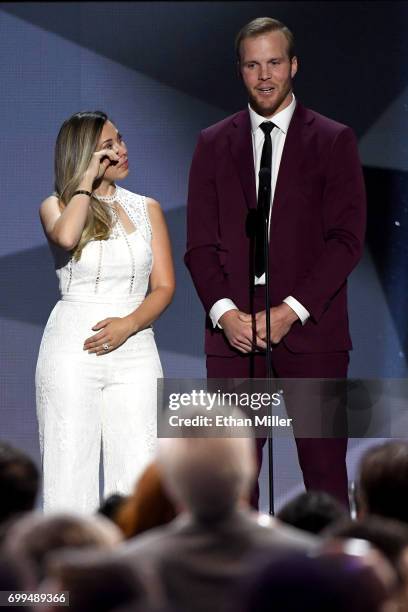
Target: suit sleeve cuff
<point x="220" y="308"/>
<point x="300" y="310"/>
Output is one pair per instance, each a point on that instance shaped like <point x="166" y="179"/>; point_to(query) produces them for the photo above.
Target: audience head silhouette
<point x="148" y="506"/>
<point x="312" y="511"/>
<point x="19" y="481"/>
<point x="383" y="486"/>
<point x="35" y="536"/>
<point x="208" y="476"/>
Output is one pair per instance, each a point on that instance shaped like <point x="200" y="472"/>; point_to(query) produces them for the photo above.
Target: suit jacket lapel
<point x="291" y="156"/>
<point x="241" y="150"/>
<point x="242" y="153"/>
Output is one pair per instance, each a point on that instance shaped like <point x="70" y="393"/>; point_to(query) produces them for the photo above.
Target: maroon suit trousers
<point x="322" y="461"/>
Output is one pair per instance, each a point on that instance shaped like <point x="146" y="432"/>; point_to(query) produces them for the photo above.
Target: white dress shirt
<point x="278" y="136"/>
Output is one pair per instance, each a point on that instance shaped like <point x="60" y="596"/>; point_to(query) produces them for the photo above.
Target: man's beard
<point x="268" y="111"/>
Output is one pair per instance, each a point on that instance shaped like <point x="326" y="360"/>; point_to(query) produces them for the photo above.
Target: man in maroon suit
<point x="316" y="233"/>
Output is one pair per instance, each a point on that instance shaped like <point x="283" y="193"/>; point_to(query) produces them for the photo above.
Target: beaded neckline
<point x="108" y="199"/>
<point x="118" y="228"/>
<point x="135" y="207"/>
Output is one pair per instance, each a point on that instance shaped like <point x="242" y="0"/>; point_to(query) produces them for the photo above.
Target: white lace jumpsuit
<point x="85" y="402"/>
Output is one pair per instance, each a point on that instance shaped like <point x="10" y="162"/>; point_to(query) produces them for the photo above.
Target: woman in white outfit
<point x="98" y="363"/>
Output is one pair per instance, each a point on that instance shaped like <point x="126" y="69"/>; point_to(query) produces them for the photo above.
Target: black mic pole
<point x="265" y="190"/>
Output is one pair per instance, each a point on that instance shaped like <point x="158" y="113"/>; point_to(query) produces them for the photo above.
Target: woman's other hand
<point x="113" y="332"/>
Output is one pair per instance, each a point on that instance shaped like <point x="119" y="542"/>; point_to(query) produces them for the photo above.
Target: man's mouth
<point x="265" y="90"/>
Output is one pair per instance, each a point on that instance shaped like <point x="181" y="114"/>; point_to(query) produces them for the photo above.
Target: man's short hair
<point x="383" y="483"/>
<point x="19" y="480"/>
<point x="312" y="511"/>
<point x="264" y="25"/>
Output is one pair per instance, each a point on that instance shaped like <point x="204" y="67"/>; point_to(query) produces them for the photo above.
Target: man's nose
<point x="264" y="73"/>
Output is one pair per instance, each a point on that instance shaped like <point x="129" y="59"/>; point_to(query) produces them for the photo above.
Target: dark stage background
<point x="163" y="71"/>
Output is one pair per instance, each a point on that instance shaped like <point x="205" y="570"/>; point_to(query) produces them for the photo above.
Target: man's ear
<point x="293" y="66"/>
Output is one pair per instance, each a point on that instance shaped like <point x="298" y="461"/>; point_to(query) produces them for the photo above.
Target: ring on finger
<point x="105" y="346"/>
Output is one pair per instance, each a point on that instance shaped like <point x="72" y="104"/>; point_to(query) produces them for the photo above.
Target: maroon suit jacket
<point x="317" y="225"/>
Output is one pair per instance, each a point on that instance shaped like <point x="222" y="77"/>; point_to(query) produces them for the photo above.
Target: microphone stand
<point x="265" y="190"/>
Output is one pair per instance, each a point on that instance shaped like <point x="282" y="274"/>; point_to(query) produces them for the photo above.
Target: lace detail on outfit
<point x="84" y="400"/>
<point x="74" y="274"/>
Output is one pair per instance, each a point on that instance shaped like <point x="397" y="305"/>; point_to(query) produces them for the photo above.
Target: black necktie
<point x="266" y="162"/>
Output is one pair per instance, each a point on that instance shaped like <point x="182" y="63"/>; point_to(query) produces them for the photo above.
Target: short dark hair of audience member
<point x="149" y="506"/>
<point x="95" y="582"/>
<point x="19" y="482"/>
<point x="111" y="506"/>
<point x="333" y="583"/>
<point x="34" y="536"/>
<point x="383" y="481"/>
<point x="390" y="537"/>
<point x="312" y="511"/>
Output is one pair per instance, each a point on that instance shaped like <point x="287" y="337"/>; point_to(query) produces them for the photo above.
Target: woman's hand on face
<point x="113" y="332"/>
<point x="100" y="161"/>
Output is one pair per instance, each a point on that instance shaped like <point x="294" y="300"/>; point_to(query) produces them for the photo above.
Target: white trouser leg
<point x="69" y="414"/>
<point x="129" y="422"/>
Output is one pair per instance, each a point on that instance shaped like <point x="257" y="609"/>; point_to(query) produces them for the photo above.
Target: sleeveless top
<point x="114" y="269"/>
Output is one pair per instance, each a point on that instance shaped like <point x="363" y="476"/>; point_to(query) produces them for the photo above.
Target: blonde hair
<point x="75" y="145"/>
<point x="264" y="25"/>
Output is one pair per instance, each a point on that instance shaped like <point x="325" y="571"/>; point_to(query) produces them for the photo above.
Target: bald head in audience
<point x="207" y="476"/>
